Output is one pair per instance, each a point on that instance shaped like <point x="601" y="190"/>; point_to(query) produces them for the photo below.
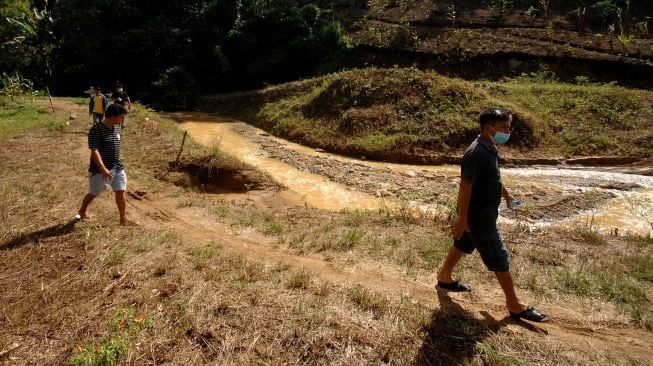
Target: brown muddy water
<point x="629" y="211"/>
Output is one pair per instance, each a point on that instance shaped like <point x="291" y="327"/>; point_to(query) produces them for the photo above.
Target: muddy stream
<point x="589" y="197"/>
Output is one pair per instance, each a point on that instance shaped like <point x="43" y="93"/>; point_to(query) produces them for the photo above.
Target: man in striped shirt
<point x="106" y="168"/>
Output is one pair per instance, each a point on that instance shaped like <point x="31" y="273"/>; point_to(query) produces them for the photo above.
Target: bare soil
<point x="222" y="292"/>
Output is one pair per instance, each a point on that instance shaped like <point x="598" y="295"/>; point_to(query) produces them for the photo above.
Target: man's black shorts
<point x="493" y="252"/>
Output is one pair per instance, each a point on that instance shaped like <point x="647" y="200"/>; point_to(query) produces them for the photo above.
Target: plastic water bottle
<point x="515" y="204"/>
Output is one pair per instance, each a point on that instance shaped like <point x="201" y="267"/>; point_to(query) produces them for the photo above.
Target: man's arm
<point x="464" y="195"/>
<point x="506" y="195"/>
<point x="90" y="106"/>
<point x="97" y="159"/>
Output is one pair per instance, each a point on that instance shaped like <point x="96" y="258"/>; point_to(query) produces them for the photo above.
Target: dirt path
<point x="570" y="325"/>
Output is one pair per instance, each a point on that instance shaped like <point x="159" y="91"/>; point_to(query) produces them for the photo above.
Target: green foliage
<point x="28" y="35"/>
<point x="116" y="256"/>
<point x="642" y="267"/>
<point x="273" y="227"/>
<point x="376" y="142"/>
<point x="606" y="8"/>
<point x="544" y="4"/>
<point x="123" y="328"/>
<point x="165" y="52"/>
<point x="16" y="87"/>
<point x="15" y="55"/>
<point x="500" y="7"/>
<point x="173" y="90"/>
<point x="576" y="283"/>
<point x="494" y="357"/>
<point x="282" y="42"/>
<point x="350" y="237"/>
<point x="620" y="289"/>
<point x="202" y="256"/>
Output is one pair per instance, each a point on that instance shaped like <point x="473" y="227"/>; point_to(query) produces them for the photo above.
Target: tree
<point x="284" y="42"/>
<point x="25" y="39"/>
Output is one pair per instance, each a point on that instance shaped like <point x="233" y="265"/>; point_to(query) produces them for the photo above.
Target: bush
<point x="173" y="90"/>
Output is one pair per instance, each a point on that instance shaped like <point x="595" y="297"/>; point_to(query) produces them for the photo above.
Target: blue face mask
<point x="500" y="137"/>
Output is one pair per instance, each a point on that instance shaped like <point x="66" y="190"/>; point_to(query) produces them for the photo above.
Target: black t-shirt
<point x="480" y="166"/>
<point x="107" y="140"/>
<point x="120" y="97"/>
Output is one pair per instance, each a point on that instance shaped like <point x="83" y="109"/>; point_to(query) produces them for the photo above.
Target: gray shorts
<point x="491" y="248"/>
<point x="97" y="184"/>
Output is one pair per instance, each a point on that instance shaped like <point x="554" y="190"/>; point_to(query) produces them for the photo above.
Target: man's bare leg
<point x="445" y="273"/>
<point x="122" y="206"/>
<point x="85" y="203"/>
<point x="512" y="302"/>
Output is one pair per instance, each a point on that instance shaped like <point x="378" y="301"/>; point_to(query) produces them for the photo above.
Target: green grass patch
<point x="221" y="209"/>
<point x="368" y="300"/>
<point x="375" y="142"/>
<point x="641" y="267"/>
<point x="123" y="328"/>
<point x="573" y="282"/>
<point x="350" y="237"/>
<point x="17" y="118"/>
<point x="171" y="237"/>
<point x="494" y="357"/>
<point x="273" y="227"/>
<point x="202" y="257"/>
<point x="376" y="112"/>
<point x="354" y="218"/>
<point x="116" y="256"/>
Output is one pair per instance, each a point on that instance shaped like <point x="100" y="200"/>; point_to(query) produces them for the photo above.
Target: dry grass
<point x="63" y="282"/>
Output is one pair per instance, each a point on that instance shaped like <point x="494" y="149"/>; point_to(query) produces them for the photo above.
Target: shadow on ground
<point x="52" y="231"/>
<point x="453" y="334"/>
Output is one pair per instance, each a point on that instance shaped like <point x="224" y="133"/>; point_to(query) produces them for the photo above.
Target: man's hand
<point x="106" y="174"/>
<point x="507" y="196"/>
<point x="459" y="228"/>
<point x="509" y="200"/>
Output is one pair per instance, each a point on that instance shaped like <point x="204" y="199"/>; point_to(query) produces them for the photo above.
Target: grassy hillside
<point x="410" y="115"/>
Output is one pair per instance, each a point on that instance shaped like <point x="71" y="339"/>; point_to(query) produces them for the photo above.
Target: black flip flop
<point x="455" y="286"/>
<point x="531" y="314"/>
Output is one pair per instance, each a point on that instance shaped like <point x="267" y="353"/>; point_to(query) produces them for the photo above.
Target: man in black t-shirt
<point x="120" y="96"/>
<point x="106" y="168"/>
<point x="479" y="196"/>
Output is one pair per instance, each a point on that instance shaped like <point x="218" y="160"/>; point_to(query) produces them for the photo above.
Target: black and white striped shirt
<point x="107" y="140"/>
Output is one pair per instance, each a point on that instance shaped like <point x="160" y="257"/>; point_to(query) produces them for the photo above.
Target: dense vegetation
<point x="166" y="52"/>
